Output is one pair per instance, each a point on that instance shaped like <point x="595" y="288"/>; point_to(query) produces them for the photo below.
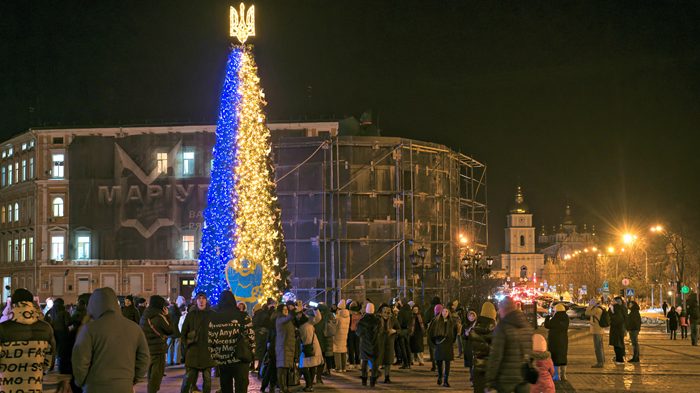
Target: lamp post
<point x="422" y="252"/>
<point x="414" y="263"/>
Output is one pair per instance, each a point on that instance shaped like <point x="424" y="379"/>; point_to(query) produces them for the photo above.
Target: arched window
<point x="9" y="213"/>
<point x="16" y="211"/>
<point x="523" y="272"/>
<point x="522" y="241"/>
<point x="58" y="207"/>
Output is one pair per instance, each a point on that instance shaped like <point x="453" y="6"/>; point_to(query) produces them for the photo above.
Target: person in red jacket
<point x="543" y="362"/>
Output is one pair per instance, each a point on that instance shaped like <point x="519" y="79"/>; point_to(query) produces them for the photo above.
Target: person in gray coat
<point x="111" y="352"/>
<point x="512" y="341"/>
<point x="285" y="345"/>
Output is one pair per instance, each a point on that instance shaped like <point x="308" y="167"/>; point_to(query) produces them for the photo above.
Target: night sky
<point x="597" y="100"/>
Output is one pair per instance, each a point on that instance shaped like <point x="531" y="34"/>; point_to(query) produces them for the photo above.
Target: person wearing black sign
<point x="157" y="326"/>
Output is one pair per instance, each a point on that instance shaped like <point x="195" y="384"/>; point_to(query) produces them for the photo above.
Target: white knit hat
<point x="539" y="344"/>
<point x="370" y="308"/>
<point x="341" y="304"/>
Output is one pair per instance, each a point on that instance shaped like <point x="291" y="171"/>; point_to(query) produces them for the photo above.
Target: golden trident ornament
<point x="243" y="28"/>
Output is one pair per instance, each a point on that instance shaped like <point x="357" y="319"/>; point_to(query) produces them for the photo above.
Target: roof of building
<point x="520" y="207"/>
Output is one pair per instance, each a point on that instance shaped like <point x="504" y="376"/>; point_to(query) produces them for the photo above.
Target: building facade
<point x="520" y="260"/>
<point x="567" y="240"/>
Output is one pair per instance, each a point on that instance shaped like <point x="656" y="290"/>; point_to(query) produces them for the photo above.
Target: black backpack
<point x="604" y="318"/>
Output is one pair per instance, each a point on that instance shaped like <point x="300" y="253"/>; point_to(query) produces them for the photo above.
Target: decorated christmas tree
<point x="242" y="241"/>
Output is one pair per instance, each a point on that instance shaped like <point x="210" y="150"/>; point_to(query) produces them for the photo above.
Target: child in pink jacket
<point x="543" y="362"/>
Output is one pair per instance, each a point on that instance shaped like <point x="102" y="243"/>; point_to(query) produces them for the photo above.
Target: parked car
<point x="576" y="311"/>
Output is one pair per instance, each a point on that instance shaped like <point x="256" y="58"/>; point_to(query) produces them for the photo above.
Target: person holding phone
<point x="157" y="326"/>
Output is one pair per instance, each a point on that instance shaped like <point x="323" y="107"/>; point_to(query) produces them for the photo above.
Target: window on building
<point x="30" y="252"/>
<point x="31" y="208"/>
<point x="9" y="213"/>
<point x="522" y="241"/>
<point x="24" y="170"/>
<point x="4" y="154"/>
<point x="58" y="165"/>
<point x="57" y="247"/>
<point x="3" y="177"/>
<point x="24" y="146"/>
<point x="83" y="247"/>
<point x="31" y="144"/>
<point x="58" y="141"/>
<point x="31" y="168"/>
<point x="162" y="159"/>
<point x="9" y="152"/>
<point x="9" y="251"/>
<point x="58" y="207"/>
<point x="16" y="172"/>
<point x="16" y="211"/>
<point x="23" y="250"/>
<point x="16" y="250"/>
<point x="188" y="163"/>
<point x="188" y="247"/>
<point x="9" y="175"/>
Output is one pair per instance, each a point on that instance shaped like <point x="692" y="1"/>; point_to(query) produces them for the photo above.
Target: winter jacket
<point x="634" y="320"/>
<point x="617" y="326"/>
<point x="544" y="365"/>
<point x="28" y="349"/>
<point x="110" y="352"/>
<point x="369" y="330"/>
<point x="325" y="342"/>
<point x="340" y="340"/>
<point x="307" y="335"/>
<point x="595" y="313"/>
<point x="672" y="319"/>
<point x="444" y="345"/>
<point x="405" y="318"/>
<point x="512" y="339"/>
<point x="558" y="337"/>
<point x="78" y="315"/>
<point x="480" y="335"/>
<point x="387" y="356"/>
<point x="429" y="314"/>
<point x="694" y="313"/>
<point x="157" y="332"/>
<point x="61" y="322"/>
<point x="260" y="327"/>
<point x="197" y="355"/>
<point x="416" y="334"/>
<point x="286" y="341"/>
<point x="175" y="315"/>
<point x="683" y="318"/>
<point x="131" y="313"/>
<point x="225" y="328"/>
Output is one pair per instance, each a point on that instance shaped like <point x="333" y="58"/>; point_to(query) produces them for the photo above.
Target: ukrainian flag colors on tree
<point x="242" y="241"/>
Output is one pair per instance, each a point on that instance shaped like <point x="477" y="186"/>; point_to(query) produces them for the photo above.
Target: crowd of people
<point x="99" y="346"/>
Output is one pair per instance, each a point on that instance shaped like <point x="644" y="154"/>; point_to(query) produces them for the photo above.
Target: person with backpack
<point x="600" y="319"/>
<point x="353" y="339"/>
<point x="694" y="317"/>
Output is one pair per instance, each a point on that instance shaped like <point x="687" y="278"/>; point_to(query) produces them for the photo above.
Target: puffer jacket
<point x="157" y="331"/>
<point x="28" y="349"/>
<point x="307" y="335"/>
<point x="512" y="340"/>
<point x="634" y="319"/>
<point x="197" y="355"/>
<point x="694" y="313"/>
<point x="340" y="340"/>
<point x="405" y="317"/>
<point x="131" y="313"/>
<point x="544" y="365"/>
<point x="558" y="337"/>
<point x="480" y="335"/>
<point x="444" y="345"/>
<point x="369" y="330"/>
<point x="325" y="342"/>
<point x="175" y="315"/>
<point x="285" y="342"/>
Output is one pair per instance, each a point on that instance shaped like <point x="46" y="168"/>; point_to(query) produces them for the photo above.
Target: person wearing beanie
<point x="618" y="317"/>
<point x="369" y="330"/>
<point x="129" y="311"/>
<point x="405" y="319"/>
<point x="157" y="326"/>
<point x="141" y="306"/>
<point x="428" y="317"/>
<point x="479" y="336"/>
<point x="61" y="322"/>
<point x="543" y="362"/>
<point x="595" y="313"/>
<point x="195" y="331"/>
<point x="353" y="342"/>
<point x="340" y="339"/>
<point x="558" y="338"/>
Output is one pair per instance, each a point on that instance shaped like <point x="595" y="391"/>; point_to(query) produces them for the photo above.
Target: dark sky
<point x="598" y="100"/>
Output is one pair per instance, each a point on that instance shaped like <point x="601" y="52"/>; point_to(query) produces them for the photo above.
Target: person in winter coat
<point x="390" y="329"/>
<point x="80" y="312"/>
<point x="428" y="316"/>
<point x="694" y="318"/>
<point x="595" y="313"/>
<point x="664" y="307"/>
<point x="28" y="345"/>
<point x="558" y="338"/>
<point x="372" y="338"/>
<point x="340" y="340"/>
<point x="353" y="340"/>
<point x="673" y="319"/>
<point x="309" y="361"/>
<point x="416" y="336"/>
<point x="111" y="352"/>
<point x="197" y="356"/>
<point x="442" y="332"/>
<point x="633" y="326"/>
<point x="285" y="344"/>
<point x="325" y="341"/>
<point x="512" y="340"/>
<point x="129" y="311"/>
<point x="618" y="317"/>
<point x="543" y="362"/>
<point x="468" y="351"/>
<point x="683" y="318"/>
<point x="226" y="327"/>
<point x="174" y="355"/>
<point x="260" y="327"/>
<point x="479" y="336"/>
<point x="405" y="319"/>
<point x="157" y="326"/>
<point x="141" y="307"/>
<point x="269" y="375"/>
<point x="61" y="322"/>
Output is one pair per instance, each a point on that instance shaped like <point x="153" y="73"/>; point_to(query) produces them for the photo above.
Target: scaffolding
<point x="354" y="208"/>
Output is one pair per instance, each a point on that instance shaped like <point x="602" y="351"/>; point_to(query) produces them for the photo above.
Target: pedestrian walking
<point x="157" y="326"/>
<point x="544" y="364"/>
<point x="512" y="342"/>
<point x="28" y="345"/>
<point x="226" y="328"/>
<point x="672" y="317"/>
<point x="480" y="336"/>
<point x="129" y="311"/>
<point x="390" y="330"/>
<point x="683" y="319"/>
<point x="428" y="316"/>
<point x="664" y="307"/>
<point x="405" y="319"/>
<point x="311" y="354"/>
<point x="261" y="320"/>
<point x="596" y="313"/>
<point x="694" y="317"/>
<point x="269" y="368"/>
<point x="442" y="332"/>
<point x="61" y="322"/>
<point x="618" y="318"/>
<point x="340" y="339"/>
<point x="324" y="334"/>
<point x="468" y="350"/>
<point x="416" y="336"/>
<point x="111" y="352"/>
<point x="633" y="326"/>
<point x="371" y="335"/>
<point x="353" y="340"/>
<point x="198" y="359"/>
<point x="173" y="356"/>
<point x="285" y="343"/>
<point x="558" y="338"/>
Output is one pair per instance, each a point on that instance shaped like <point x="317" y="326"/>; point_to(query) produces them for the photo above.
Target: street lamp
<point x="414" y="263"/>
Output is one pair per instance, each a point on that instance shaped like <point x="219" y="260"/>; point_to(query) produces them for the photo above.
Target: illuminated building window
<point x="31" y="168"/>
<point x="16" y="172"/>
<point x="31" y="144"/>
<point x="9" y="213"/>
<point x="162" y="159"/>
<point x="16" y="249"/>
<point x="58" y="165"/>
<point x="188" y="247"/>
<point x="9" y="175"/>
<point x="9" y="251"/>
<point x="83" y="247"/>
<point x="188" y="163"/>
<point x="4" y="154"/>
<point x="57" y="247"/>
<point x="30" y="253"/>
<point x="16" y="211"/>
<point x="9" y="152"/>
<point x="24" y="146"/>
<point x="58" y="207"/>
<point x="3" y="177"/>
<point x="24" y="170"/>
<point x="23" y="250"/>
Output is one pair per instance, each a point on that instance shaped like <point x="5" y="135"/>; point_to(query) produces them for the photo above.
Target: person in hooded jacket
<point x="545" y="367"/>
<point x="260" y="326"/>
<point x="558" y="338"/>
<point x="129" y="311"/>
<point x="390" y="330"/>
<point x="683" y="317"/>
<point x="226" y="327"/>
<point x="157" y="326"/>
<point x="174" y="339"/>
<point x="633" y="326"/>
<point x="269" y="376"/>
<point x="111" y="352"/>
<point x="371" y="335"/>
<point x="479" y="336"/>
<point x="326" y="342"/>
<point x="31" y="343"/>
<point x="673" y="319"/>
<point x="416" y="336"/>
<point x="428" y="316"/>
<point x="442" y="332"/>
<point x="197" y="356"/>
<point x="340" y="340"/>
<point x="694" y="318"/>
<point x="618" y="318"/>
<point x="309" y="362"/>
<point x="285" y="344"/>
<point x="353" y="342"/>
<point x="80" y="311"/>
<point x="405" y="319"/>
<point x="61" y="322"/>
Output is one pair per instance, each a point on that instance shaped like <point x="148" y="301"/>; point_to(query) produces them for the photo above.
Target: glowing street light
<point x="611" y="249"/>
<point x="656" y="229"/>
<point x="627" y="238"/>
<point x="463" y="240"/>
